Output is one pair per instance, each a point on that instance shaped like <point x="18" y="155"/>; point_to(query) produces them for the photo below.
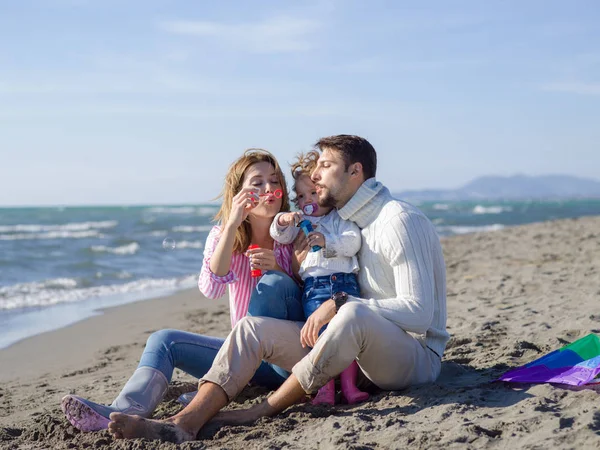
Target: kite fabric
<point x="576" y="364"/>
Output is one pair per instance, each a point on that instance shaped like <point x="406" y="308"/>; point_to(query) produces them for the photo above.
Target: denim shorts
<point x="318" y="290"/>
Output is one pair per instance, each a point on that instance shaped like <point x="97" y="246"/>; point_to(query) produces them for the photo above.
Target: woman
<point x="249" y="206"/>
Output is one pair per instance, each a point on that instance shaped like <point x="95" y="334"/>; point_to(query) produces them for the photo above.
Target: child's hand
<point x="290" y="218"/>
<point x="316" y="238"/>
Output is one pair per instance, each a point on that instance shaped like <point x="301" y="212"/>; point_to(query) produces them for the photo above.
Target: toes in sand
<point x="123" y="426"/>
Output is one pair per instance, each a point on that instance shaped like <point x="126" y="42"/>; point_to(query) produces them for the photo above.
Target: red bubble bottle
<point x="255" y="273"/>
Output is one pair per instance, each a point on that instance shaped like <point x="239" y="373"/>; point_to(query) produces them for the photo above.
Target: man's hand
<point x="301" y="247"/>
<point x="316" y="238"/>
<point x="322" y="316"/>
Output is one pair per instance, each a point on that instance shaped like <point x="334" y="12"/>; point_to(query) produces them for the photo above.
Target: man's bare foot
<point x="236" y="417"/>
<point x="123" y="426"/>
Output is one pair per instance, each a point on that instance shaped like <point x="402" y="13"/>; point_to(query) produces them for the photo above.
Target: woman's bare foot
<point x="123" y="426"/>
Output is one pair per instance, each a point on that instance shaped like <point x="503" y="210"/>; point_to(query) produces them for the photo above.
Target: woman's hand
<point x="263" y="259"/>
<point x="241" y="205"/>
<point x="322" y="316"/>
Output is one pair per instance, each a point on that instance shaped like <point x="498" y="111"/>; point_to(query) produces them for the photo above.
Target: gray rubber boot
<point x="140" y="396"/>
<point x="142" y="393"/>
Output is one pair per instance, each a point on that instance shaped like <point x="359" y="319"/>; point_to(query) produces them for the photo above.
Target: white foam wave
<point x="189" y="244"/>
<point x="190" y="229"/>
<point x="128" y="249"/>
<point x="158" y="233"/>
<point x="52" y="292"/>
<point x="479" y="209"/>
<point x="76" y="226"/>
<point x="464" y="229"/>
<point x="441" y="206"/>
<point x="172" y="210"/>
<point x="208" y="211"/>
<point x="63" y="234"/>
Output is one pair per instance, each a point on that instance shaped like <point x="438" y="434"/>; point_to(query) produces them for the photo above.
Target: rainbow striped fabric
<point x="576" y="364"/>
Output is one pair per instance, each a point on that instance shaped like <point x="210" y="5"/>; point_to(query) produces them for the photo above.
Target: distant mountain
<point x="517" y="187"/>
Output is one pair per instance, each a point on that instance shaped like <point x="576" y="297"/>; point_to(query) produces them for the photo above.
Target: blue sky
<point x="121" y="102"/>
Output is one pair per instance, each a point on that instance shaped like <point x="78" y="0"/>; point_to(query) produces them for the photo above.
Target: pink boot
<point x="349" y="389"/>
<point x="326" y="394"/>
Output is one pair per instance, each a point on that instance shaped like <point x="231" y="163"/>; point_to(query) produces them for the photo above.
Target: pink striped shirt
<point x="241" y="284"/>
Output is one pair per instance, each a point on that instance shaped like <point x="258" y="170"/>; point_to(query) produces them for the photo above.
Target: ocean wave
<point x="128" y="249"/>
<point x="479" y="209"/>
<point x="207" y="211"/>
<point x="172" y="210"/>
<point x="158" y="233"/>
<point x="441" y="206"/>
<point x="189" y="244"/>
<point x="63" y="234"/>
<point x="65" y="290"/>
<point x="76" y="226"/>
<point x="450" y="230"/>
<point x="190" y="229"/>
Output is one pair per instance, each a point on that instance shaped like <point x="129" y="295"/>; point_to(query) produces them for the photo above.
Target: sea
<point x="64" y="264"/>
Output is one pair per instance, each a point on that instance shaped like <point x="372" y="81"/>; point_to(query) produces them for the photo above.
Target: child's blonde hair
<point x="305" y="164"/>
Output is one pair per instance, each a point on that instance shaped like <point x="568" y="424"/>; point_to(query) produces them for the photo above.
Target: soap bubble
<point x="169" y="244"/>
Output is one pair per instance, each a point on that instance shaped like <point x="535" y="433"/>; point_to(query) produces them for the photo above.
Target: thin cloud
<point x="580" y="88"/>
<point x="275" y="35"/>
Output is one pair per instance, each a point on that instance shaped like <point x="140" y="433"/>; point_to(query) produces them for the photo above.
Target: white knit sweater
<point x="402" y="272"/>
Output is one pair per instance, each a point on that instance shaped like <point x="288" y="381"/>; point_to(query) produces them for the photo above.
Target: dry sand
<point x="513" y="295"/>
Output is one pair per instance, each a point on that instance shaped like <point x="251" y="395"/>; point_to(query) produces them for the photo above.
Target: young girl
<point x="325" y="271"/>
<point x="248" y="208"/>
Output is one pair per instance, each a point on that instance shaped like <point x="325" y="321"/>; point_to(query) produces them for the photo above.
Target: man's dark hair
<point x="354" y="149"/>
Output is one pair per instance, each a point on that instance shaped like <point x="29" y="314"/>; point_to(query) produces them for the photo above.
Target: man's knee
<point x="253" y="328"/>
<point x="353" y="312"/>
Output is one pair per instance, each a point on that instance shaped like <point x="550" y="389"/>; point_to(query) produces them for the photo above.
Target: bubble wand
<point x="305" y="224"/>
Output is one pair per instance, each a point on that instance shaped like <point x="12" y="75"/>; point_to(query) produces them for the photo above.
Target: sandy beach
<point x="513" y="295"/>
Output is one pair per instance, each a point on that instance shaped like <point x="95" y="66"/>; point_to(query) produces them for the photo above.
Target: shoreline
<point x="111" y="326"/>
<point x="23" y="323"/>
<point x="513" y="295"/>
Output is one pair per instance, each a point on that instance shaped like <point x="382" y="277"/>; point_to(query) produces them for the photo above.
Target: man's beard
<point x="327" y="201"/>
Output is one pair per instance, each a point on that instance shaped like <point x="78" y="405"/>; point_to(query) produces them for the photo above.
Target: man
<point x="396" y="332"/>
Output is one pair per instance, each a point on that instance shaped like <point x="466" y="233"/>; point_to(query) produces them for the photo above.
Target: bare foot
<point x="238" y="417"/>
<point x="123" y="426"/>
<point x="242" y="416"/>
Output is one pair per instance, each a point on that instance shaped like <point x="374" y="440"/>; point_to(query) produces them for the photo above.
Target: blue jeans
<point x="318" y="290"/>
<point x="194" y="353"/>
<point x="278" y="296"/>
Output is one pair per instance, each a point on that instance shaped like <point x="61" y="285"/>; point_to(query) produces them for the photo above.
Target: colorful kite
<point x="575" y="364"/>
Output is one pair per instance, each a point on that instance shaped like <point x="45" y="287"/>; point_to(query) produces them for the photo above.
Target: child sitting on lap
<point x="325" y="271"/>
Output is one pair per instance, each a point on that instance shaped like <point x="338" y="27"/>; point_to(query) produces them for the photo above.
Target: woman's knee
<point x="162" y="338"/>
<point x="278" y="283"/>
<point x="274" y="295"/>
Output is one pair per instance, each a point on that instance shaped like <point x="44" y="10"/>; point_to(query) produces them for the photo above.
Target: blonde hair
<point x="305" y="164"/>
<point x="233" y="185"/>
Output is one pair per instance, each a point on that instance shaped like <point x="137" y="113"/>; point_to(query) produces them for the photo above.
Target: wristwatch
<point x="340" y="298"/>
